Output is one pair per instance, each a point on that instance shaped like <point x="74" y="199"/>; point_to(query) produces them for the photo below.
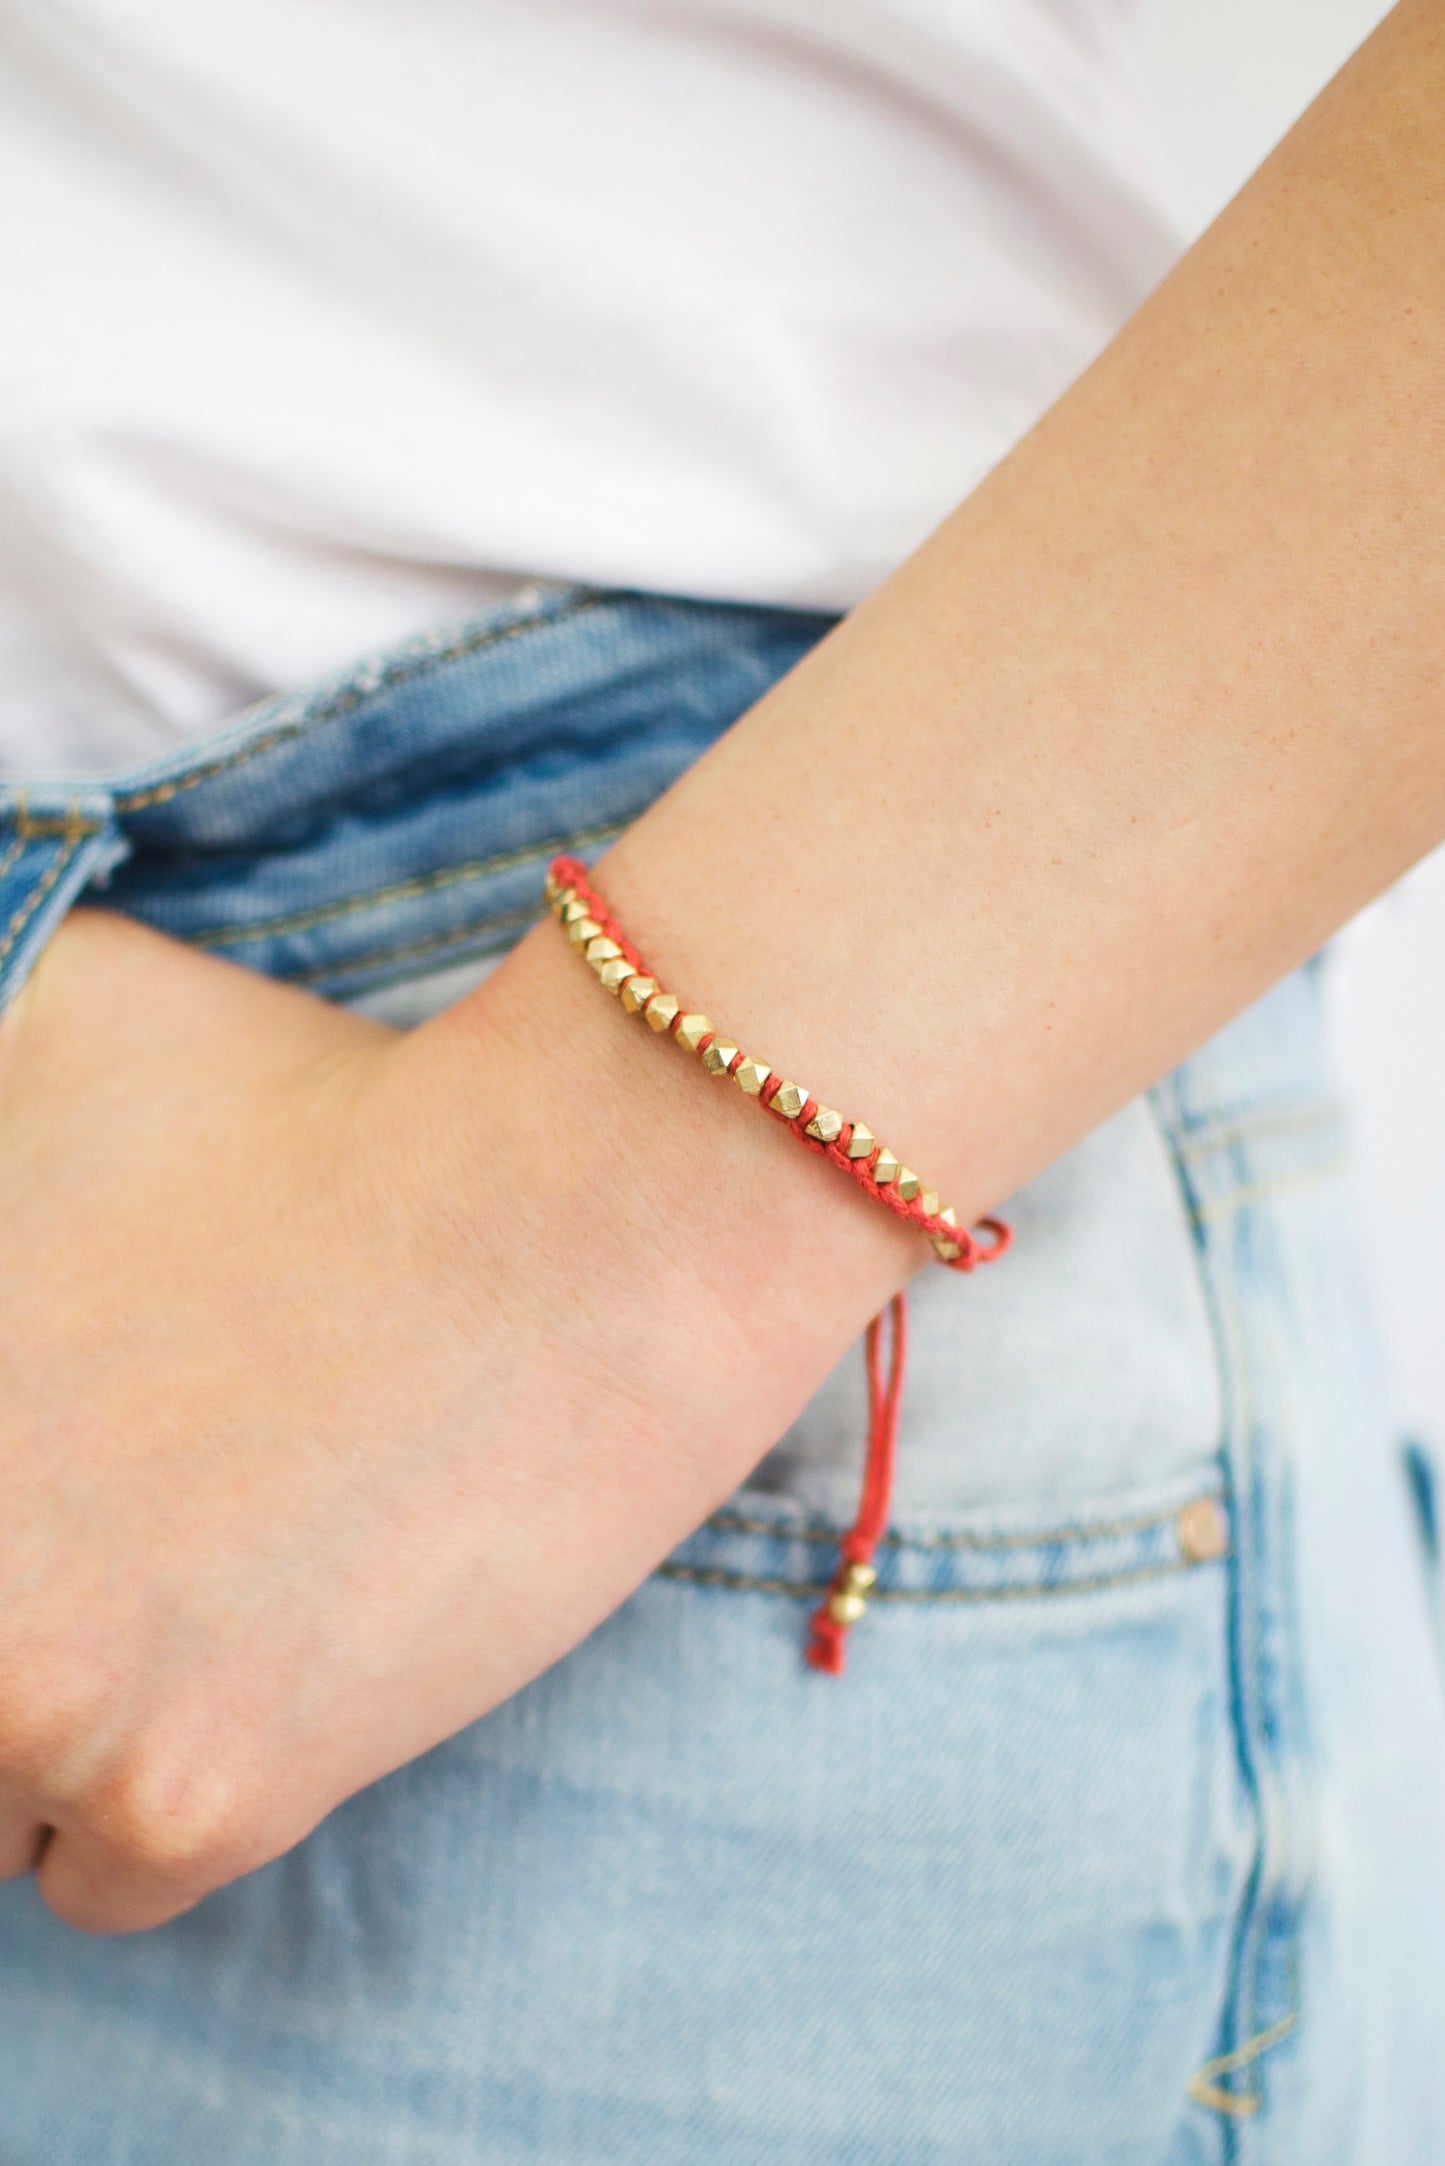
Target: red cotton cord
<point x="846" y="1597"/>
<point x="855" y="1574"/>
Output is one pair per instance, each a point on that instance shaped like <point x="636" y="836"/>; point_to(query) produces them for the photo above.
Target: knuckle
<point x="174" y="1817"/>
<point x="171" y="1802"/>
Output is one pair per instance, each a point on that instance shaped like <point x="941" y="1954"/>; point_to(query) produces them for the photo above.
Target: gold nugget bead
<point x="908" y="1184"/>
<point x="885" y="1166"/>
<point x="573" y="907"/>
<point x="826" y="1125"/>
<point x="551" y="885"/>
<point x="601" y="950"/>
<point x="860" y="1143"/>
<point x="581" y="930"/>
<point x="944" y="1249"/>
<point x="846" y="1609"/>
<point x="858" y="1578"/>
<point x="615" y="974"/>
<point x="691" y="1030"/>
<point x="637" y="992"/>
<point x="751" y="1076"/>
<point x="928" y="1203"/>
<point x="661" y="1010"/>
<point x="948" y="1215"/>
<point x="718" y="1057"/>
<point x="789" y="1099"/>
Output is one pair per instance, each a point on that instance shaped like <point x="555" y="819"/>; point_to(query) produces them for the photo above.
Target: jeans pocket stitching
<point x="809" y="1590"/>
<point x="754" y="1552"/>
<point x="44" y="886"/>
<point x="413" y="889"/>
<point x="363" y="684"/>
<point x="1269" y="1912"/>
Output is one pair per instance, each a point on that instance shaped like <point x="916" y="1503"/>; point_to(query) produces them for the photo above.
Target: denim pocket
<point x="1013" y="1833"/>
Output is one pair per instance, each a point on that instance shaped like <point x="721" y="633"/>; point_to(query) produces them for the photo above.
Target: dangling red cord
<point x="847" y="1596"/>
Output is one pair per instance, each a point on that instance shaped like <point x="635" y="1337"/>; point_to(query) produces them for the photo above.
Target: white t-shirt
<point x="327" y="319"/>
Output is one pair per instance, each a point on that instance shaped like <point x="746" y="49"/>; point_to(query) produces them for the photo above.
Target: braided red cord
<point x="845" y="1599"/>
<point x="571" y="872"/>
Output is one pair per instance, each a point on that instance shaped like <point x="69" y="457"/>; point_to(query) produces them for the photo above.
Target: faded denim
<point x="1124" y="1837"/>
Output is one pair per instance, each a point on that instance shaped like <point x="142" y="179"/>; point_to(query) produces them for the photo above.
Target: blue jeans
<point x="1124" y="1837"/>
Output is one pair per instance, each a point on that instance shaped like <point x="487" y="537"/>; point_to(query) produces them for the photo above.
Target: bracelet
<point x="876" y="1170"/>
<point x="850" y="1146"/>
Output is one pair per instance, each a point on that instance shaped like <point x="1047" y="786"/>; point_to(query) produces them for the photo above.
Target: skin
<point x="350" y="1379"/>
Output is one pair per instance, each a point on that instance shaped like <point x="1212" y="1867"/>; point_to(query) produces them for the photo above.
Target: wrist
<point x="694" y="1271"/>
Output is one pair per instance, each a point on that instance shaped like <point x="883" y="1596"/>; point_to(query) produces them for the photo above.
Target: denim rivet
<point x="1203" y="1530"/>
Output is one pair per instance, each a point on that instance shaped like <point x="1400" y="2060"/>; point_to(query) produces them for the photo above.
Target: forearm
<point x="1152" y="715"/>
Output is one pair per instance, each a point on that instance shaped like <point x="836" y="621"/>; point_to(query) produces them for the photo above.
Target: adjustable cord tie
<point x="847" y="1596"/>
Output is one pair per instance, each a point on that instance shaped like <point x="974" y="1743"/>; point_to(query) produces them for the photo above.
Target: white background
<point x="1227" y="77"/>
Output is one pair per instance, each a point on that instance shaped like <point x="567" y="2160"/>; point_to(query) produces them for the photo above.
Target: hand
<point x="314" y="1438"/>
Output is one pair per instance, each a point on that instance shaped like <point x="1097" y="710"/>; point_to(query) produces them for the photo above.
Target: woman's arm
<point x="1156" y="711"/>
<point x="1152" y="714"/>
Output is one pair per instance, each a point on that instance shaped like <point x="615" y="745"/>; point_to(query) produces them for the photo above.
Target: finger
<point x="89" y="1887"/>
